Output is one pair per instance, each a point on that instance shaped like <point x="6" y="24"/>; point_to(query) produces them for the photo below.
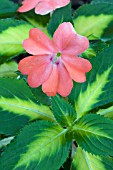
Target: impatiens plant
<point x="56" y="85"/>
<point x="55" y="61"/>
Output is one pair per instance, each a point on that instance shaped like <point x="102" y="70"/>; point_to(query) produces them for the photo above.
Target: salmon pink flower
<point x="42" y="7"/>
<point x="55" y="62"/>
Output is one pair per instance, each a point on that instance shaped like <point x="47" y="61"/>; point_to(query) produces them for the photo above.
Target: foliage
<point x="38" y="132"/>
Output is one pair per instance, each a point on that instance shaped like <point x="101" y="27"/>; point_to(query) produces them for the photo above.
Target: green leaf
<point x="106" y="112"/>
<point x="63" y="111"/>
<point x="94" y="133"/>
<point x="6" y="141"/>
<point x="7" y="8"/>
<point x="8" y="69"/>
<point x="98" y="88"/>
<point x="37" y="92"/>
<point x="58" y="17"/>
<point x="41" y="145"/>
<point x="95" y="21"/>
<point x="38" y="21"/>
<point x="41" y="96"/>
<point x="90" y="162"/>
<point x="17" y="104"/>
<point x="102" y="1"/>
<point x="94" y="48"/>
<point x="12" y="34"/>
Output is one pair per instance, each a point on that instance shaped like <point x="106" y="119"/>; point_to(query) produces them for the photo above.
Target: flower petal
<point x="77" y="70"/>
<point x="61" y="3"/>
<point x="68" y="41"/>
<point x="44" y="7"/>
<point x="28" y="5"/>
<point x="27" y="64"/>
<point x="38" y="43"/>
<point x="50" y="86"/>
<point x="65" y="82"/>
<point x="75" y="74"/>
<point x="79" y="63"/>
<point x="39" y="75"/>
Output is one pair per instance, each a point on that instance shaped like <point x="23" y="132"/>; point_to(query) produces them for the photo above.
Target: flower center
<point x="56" y="58"/>
<point x="58" y="55"/>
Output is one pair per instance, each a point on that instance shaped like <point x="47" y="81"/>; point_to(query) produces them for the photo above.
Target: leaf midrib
<point x="49" y="142"/>
<point x="66" y="118"/>
<point x="90" y="96"/>
<point x="27" y="108"/>
<point x="88" y="131"/>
